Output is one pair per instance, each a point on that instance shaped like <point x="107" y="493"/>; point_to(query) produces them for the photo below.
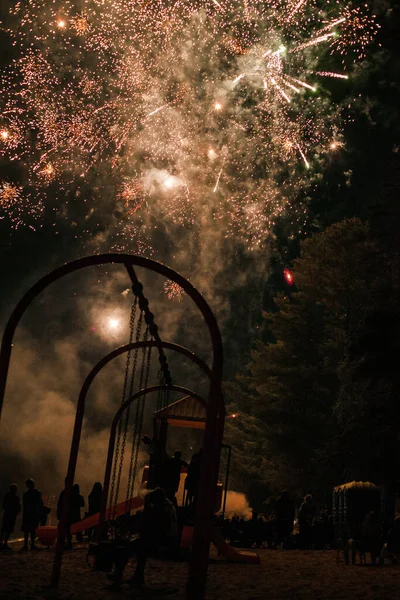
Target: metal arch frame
<point x="113" y="432"/>
<point x="80" y="411"/>
<point x="104" y="259"/>
<point x="215" y="413"/>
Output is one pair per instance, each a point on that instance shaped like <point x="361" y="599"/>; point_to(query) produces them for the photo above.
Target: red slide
<point x="233" y="555"/>
<point x="112" y="512"/>
<point x="47" y="535"/>
<point x="223" y="548"/>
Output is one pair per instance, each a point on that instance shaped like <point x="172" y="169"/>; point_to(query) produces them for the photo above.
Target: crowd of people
<point x="34" y="512"/>
<point x="280" y="529"/>
<point x="158" y="524"/>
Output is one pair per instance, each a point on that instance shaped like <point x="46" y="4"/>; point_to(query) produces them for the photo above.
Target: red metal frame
<point x="80" y="410"/>
<point x="215" y="414"/>
<point x="111" y="443"/>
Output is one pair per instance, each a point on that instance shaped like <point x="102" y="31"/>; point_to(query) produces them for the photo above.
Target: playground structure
<point x="203" y="530"/>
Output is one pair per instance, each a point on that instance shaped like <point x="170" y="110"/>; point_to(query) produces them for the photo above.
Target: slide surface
<point x="230" y="553"/>
<point x="50" y="533"/>
<point x="116" y="511"/>
<point x="233" y="555"/>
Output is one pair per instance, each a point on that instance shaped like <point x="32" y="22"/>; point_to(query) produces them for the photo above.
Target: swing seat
<point x="102" y="556"/>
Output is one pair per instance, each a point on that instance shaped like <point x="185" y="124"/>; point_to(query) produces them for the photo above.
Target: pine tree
<point x="306" y="392"/>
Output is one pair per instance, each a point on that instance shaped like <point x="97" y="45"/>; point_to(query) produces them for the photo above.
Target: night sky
<point x="63" y="329"/>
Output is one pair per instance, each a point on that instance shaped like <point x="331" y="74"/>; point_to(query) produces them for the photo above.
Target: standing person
<point x="77" y="502"/>
<point x="74" y="512"/>
<point x="31" y="510"/>
<point x="284" y="512"/>
<point x="173" y="469"/>
<point x="193" y="478"/>
<point x="94" y="499"/>
<point x="306" y="517"/>
<point x="94" y="503"/>
<point x="11" y="507"/>
<point x="371" y="535"/>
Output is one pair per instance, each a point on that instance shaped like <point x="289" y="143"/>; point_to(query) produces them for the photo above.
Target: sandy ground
<point x="282" y="575"/>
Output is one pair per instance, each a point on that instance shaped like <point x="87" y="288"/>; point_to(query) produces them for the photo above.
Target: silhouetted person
<point x="173" y="469"/>
<point x="74" y="511"/>
<point x="11" y="508"/>
<point x="153" y="467"/>
<point x="393" y="542"/>
<point x="158" y="528"/>
<point x="306" y="517"/>
<point x="193" y="478"/>
<point x="94" y="503"/>
<point x="77" y="502"/>
<point x="32" y="509"/>
<point x="371" y="535"/>
<point x="254" y="529"/>
<point x="44" y="515"/>
<point x="94" y="498"/>
<point x="284" y="511"/>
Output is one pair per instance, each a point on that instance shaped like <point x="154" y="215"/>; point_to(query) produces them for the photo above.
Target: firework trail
<point x="193" y="110"/>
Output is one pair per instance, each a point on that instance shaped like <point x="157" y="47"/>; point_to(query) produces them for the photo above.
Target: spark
<point x="337" y="22"/>
<point x="280" y="90"/>
<point x="303" y="157"/>
<point x="297" y="7"/>
<point x="304" y="84"/>
<point x="238" y="78"/>
<point x="292" y="87"/>
<point x="79" y="105"/>
<point x="314" y="41"/>
<point x="331" y="74"/>
<point x="217" y="182"/>
<point x="157" y="110"/>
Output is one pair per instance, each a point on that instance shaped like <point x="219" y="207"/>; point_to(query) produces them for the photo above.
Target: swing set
<point x="126" y="430"/>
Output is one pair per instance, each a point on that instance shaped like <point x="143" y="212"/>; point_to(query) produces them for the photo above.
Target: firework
<point x="173" y="291"/>
<point x="16" y="204"/>
<point x="190" y="109"/>
<point x="10" y="195"/>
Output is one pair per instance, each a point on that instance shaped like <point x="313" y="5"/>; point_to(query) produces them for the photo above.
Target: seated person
<point x="157" y="529"/>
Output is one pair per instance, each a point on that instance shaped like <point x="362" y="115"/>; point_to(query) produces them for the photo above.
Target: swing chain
<point x="122" y="454"/>
<point x="136" y="430"/>
<point x="137" y="289"/>
<point x="127" y="368"/>
<point x="141" y="416"/>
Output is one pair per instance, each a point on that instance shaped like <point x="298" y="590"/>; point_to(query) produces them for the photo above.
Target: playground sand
<point x="289" y="575"/>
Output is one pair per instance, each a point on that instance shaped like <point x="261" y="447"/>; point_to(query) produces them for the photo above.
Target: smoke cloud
<point x="237" y="505"/>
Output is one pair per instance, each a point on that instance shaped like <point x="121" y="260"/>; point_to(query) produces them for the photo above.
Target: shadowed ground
<point x="282" y="575"/>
